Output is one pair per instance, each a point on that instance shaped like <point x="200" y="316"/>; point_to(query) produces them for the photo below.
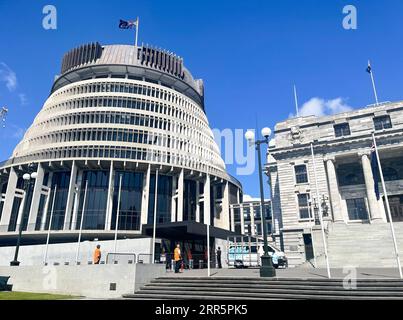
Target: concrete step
<point x="202" y="295"/>
<point x="264" y="288"/>
<point x="280" y="289"/>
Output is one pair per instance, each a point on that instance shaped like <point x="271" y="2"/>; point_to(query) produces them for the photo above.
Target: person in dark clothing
<point x="219" y="258"/>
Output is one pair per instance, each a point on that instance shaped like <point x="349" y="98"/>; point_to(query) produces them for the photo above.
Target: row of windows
<point x="123" y="153"/>
<point x="131" y="88"/>
<point x="128" y="119"/>
<point x="117" y="118"/>
<point x="138" y="104"/>
<point x="123" y="135"/>
<point x="380" y="123"/>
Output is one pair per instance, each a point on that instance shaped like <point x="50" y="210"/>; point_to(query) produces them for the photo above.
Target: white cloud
<point x="321" y="107"/>
<point x="8" y="76"/>
<point x="23" y="99"/>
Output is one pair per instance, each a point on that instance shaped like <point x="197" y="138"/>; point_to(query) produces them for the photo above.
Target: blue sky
<point x="249" y="53"/>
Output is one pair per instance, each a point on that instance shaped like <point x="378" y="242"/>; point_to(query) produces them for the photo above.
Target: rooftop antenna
<point x="296" y="101"/>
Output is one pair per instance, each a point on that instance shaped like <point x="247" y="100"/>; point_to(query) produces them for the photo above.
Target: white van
<point x="248" y="255"/>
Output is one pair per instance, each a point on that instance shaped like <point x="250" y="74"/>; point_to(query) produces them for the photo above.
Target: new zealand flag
<point x="375" y="171"/>
<point x="123" y="24"/>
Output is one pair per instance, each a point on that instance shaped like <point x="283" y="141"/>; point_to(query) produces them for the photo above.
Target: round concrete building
<point x="121" y="124"/>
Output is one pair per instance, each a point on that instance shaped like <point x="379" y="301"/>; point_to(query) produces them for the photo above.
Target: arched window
<point x="351" y="179"/>
<point x="390" y="174"/>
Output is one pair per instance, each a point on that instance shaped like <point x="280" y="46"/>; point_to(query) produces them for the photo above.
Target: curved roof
<point x="156" y="64"/>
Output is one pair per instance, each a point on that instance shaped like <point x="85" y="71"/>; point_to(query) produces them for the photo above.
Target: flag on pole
<point x="123" y="24"/>
<point x="375" y="171"/>
<point x="369" y="68"/>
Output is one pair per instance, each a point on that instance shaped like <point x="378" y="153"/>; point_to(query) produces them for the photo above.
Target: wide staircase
<point x="230" y="288"/>
<point x="360" y="245"/>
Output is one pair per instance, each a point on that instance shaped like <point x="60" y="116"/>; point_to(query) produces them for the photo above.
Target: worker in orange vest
<point x="177" y="258"/>
<point x="97" y="254"/>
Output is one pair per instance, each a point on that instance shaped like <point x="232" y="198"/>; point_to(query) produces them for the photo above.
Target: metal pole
<point x="81" y="221"/>
<point x="313" y="249"/>
<point x="137" y="32"/>
<point x="117" y="214"/>
<point x="320" y="213"/>
<point x="50" y="226"/>
<point x="392" y="229"/>
<point x="373" y="83"/>
<point x="296" y="101"/>
<point x="155" y="214"/>
<point x="250" y="252"/>
<point x="242" y="248"/>
<point x="267" y="269"/>
<point x="15" y="262"/>
<point x="208" y="248"/>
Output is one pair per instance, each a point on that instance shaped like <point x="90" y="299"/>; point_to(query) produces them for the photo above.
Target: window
<point x="382" y="122"/>
<point x="349" y="174"/>
<point x="301" y="175"/>
<point x="303" y="205"/>
<point x="356" y="209"/>
<point x="342" y="130"/>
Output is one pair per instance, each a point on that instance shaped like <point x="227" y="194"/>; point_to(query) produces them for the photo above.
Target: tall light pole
<point x="28" y="177"/>
<point x="266" y="269"/>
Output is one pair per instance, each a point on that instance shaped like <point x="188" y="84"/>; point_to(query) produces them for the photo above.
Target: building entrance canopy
<point x="186" y="230"/>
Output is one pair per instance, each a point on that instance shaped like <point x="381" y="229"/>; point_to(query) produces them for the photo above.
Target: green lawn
<point x="15" y="295"/>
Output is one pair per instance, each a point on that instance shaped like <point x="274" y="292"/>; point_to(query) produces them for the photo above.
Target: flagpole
<point x="373" y="83"/>
<point x="45" y="258"/>
<point x="387" y="207"/>
<point x="137" y="32"/>
<point x="117" y="214"/>
<point x="81" y="222"/>
<point x="320" y="213"/>
<point x="296" y="101"/>
<point x="155" y="214"/>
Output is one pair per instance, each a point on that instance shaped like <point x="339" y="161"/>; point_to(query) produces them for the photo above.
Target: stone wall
<point x="92" y="281"/>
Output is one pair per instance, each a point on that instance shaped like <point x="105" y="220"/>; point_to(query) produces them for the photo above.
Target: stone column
<point x="197" y="201"/>
<point x="48" y="200"/>
<point x="375" y="212"/>
<point x="9" y="200"/>
<point x="207" y="197"/>
<point x="36" y="196"/>
<point x="335" y="198"/>
<point x="77" y="200"/>
<point x="181" y="182"/>
<point x="252" y="219"/>
<point x="70" y="196"/>
<point x="174" y="197"/>
<point x="242" y="219"/>
<point x="109" y="203"/>
<point x="225" y="224"/>
<point x="232" y="219"/>
<point x="145" y="196"/>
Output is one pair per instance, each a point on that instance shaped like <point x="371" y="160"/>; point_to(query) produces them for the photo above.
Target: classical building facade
<point x="341" y="145"/>
<point x="121" y="122"/>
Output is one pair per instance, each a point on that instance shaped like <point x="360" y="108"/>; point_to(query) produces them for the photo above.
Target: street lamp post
<point x="266" y="269"/>
<point x="28" y="177"/>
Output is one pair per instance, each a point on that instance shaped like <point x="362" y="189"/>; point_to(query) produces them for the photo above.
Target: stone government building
<point x="352" y="214"/>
